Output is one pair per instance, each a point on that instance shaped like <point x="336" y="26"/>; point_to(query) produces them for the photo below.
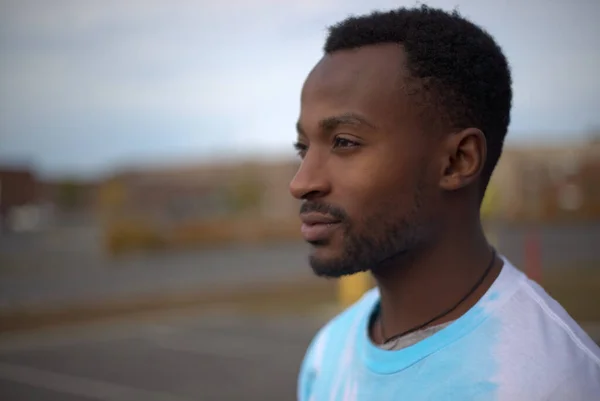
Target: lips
<point x="317" y="227"/>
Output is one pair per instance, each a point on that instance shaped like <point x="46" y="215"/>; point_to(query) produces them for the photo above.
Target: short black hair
<point x="462" y="69"/>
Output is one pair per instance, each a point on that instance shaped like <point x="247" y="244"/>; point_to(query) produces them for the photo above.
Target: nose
<point x="310" y="180"/>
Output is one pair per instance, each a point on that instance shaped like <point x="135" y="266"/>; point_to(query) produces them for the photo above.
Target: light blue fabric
<point x="516" y="343"/>
<point x="453" y="364"/>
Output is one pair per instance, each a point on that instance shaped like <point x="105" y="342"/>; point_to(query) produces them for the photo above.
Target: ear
<point x="462" y="159"/>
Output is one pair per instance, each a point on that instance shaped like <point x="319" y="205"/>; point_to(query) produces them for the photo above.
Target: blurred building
<point x="530" y="183"/>
<point x="18" y="190"/>
<point x="250" y="200"/>
<point x="73" y="202"/>
<point x="547" y="183"/>
<point x="30" y="203"/>
<point x="202" y="192"/>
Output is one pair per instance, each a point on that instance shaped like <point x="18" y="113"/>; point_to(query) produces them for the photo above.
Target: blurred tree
<point x="68" y="194"/>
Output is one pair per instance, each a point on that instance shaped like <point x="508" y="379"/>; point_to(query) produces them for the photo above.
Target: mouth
<point x="317" y="228"/>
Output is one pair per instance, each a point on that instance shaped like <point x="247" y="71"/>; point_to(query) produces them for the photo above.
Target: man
<point x="401" y="125"/>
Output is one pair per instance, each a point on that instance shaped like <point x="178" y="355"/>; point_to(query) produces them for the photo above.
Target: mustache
<point x="323" y="208"/>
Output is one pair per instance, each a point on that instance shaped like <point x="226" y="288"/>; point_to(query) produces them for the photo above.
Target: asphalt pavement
<point x="204" y="356"/>
<point x="220" y="356"/>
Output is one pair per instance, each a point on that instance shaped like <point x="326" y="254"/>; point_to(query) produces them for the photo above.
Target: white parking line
<point x="79" y="386"/>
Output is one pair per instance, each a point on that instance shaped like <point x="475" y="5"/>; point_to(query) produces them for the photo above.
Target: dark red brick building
<point x="18" y="187"/>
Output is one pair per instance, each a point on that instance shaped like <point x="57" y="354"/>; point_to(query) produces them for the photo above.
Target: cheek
<point x="376" y="186"/>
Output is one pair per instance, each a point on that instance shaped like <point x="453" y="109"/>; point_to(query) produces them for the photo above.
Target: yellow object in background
<point x="492" y="238"/>
<point x="490" y="202"/>
<point x="351" y="288"/>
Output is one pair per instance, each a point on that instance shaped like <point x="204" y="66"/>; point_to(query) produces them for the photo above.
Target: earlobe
<point x="451" y="182"/>
<point x="463" y="159"/>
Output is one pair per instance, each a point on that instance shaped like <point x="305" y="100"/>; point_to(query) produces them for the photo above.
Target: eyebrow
<point x="330" y="123"/>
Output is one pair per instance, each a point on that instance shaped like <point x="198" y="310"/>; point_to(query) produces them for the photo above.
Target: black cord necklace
<point x="441" y="315"/>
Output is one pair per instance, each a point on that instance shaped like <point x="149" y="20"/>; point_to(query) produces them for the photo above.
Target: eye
<point x="300" y="149"/>
<point x="339" y="142"/>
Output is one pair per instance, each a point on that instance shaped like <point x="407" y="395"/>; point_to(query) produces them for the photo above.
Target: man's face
<point x="366" y="181"/>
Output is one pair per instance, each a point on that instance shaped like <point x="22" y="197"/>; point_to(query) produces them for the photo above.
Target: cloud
<point x="159" y="75"/>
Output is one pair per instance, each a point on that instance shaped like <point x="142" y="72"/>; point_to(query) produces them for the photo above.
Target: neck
<point x="415" y="290"/>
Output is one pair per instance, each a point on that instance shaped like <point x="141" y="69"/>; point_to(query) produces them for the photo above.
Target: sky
<point x="87" y="87"/>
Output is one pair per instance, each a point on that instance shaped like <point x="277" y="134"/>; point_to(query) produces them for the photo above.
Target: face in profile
<point x="365" y="180"/>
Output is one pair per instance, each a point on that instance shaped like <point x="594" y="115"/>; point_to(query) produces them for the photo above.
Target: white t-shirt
<point x="515" y="344"/>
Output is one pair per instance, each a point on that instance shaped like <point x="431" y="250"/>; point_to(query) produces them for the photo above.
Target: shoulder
<point x="539" y="342"/>
<point x="580" y="383"/>
<point x="340" y="326"/>
<point x="535" y="312"/>
<point x="329" y="342"/>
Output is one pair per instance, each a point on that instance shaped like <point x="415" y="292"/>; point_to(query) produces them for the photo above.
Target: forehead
<point x="367" y="80"/>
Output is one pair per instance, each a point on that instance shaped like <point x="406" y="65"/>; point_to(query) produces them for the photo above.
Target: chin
<point x="331" y="264"/>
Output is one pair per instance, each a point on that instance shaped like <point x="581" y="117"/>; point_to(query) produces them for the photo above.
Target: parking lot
<point x="214" y="355"/>
<point x="68" y="266"/>
<point x="219" y="356"/>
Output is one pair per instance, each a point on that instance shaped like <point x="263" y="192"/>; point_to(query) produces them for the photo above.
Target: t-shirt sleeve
<point x="309" y="368"/>
<point x="580" y="385"/>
